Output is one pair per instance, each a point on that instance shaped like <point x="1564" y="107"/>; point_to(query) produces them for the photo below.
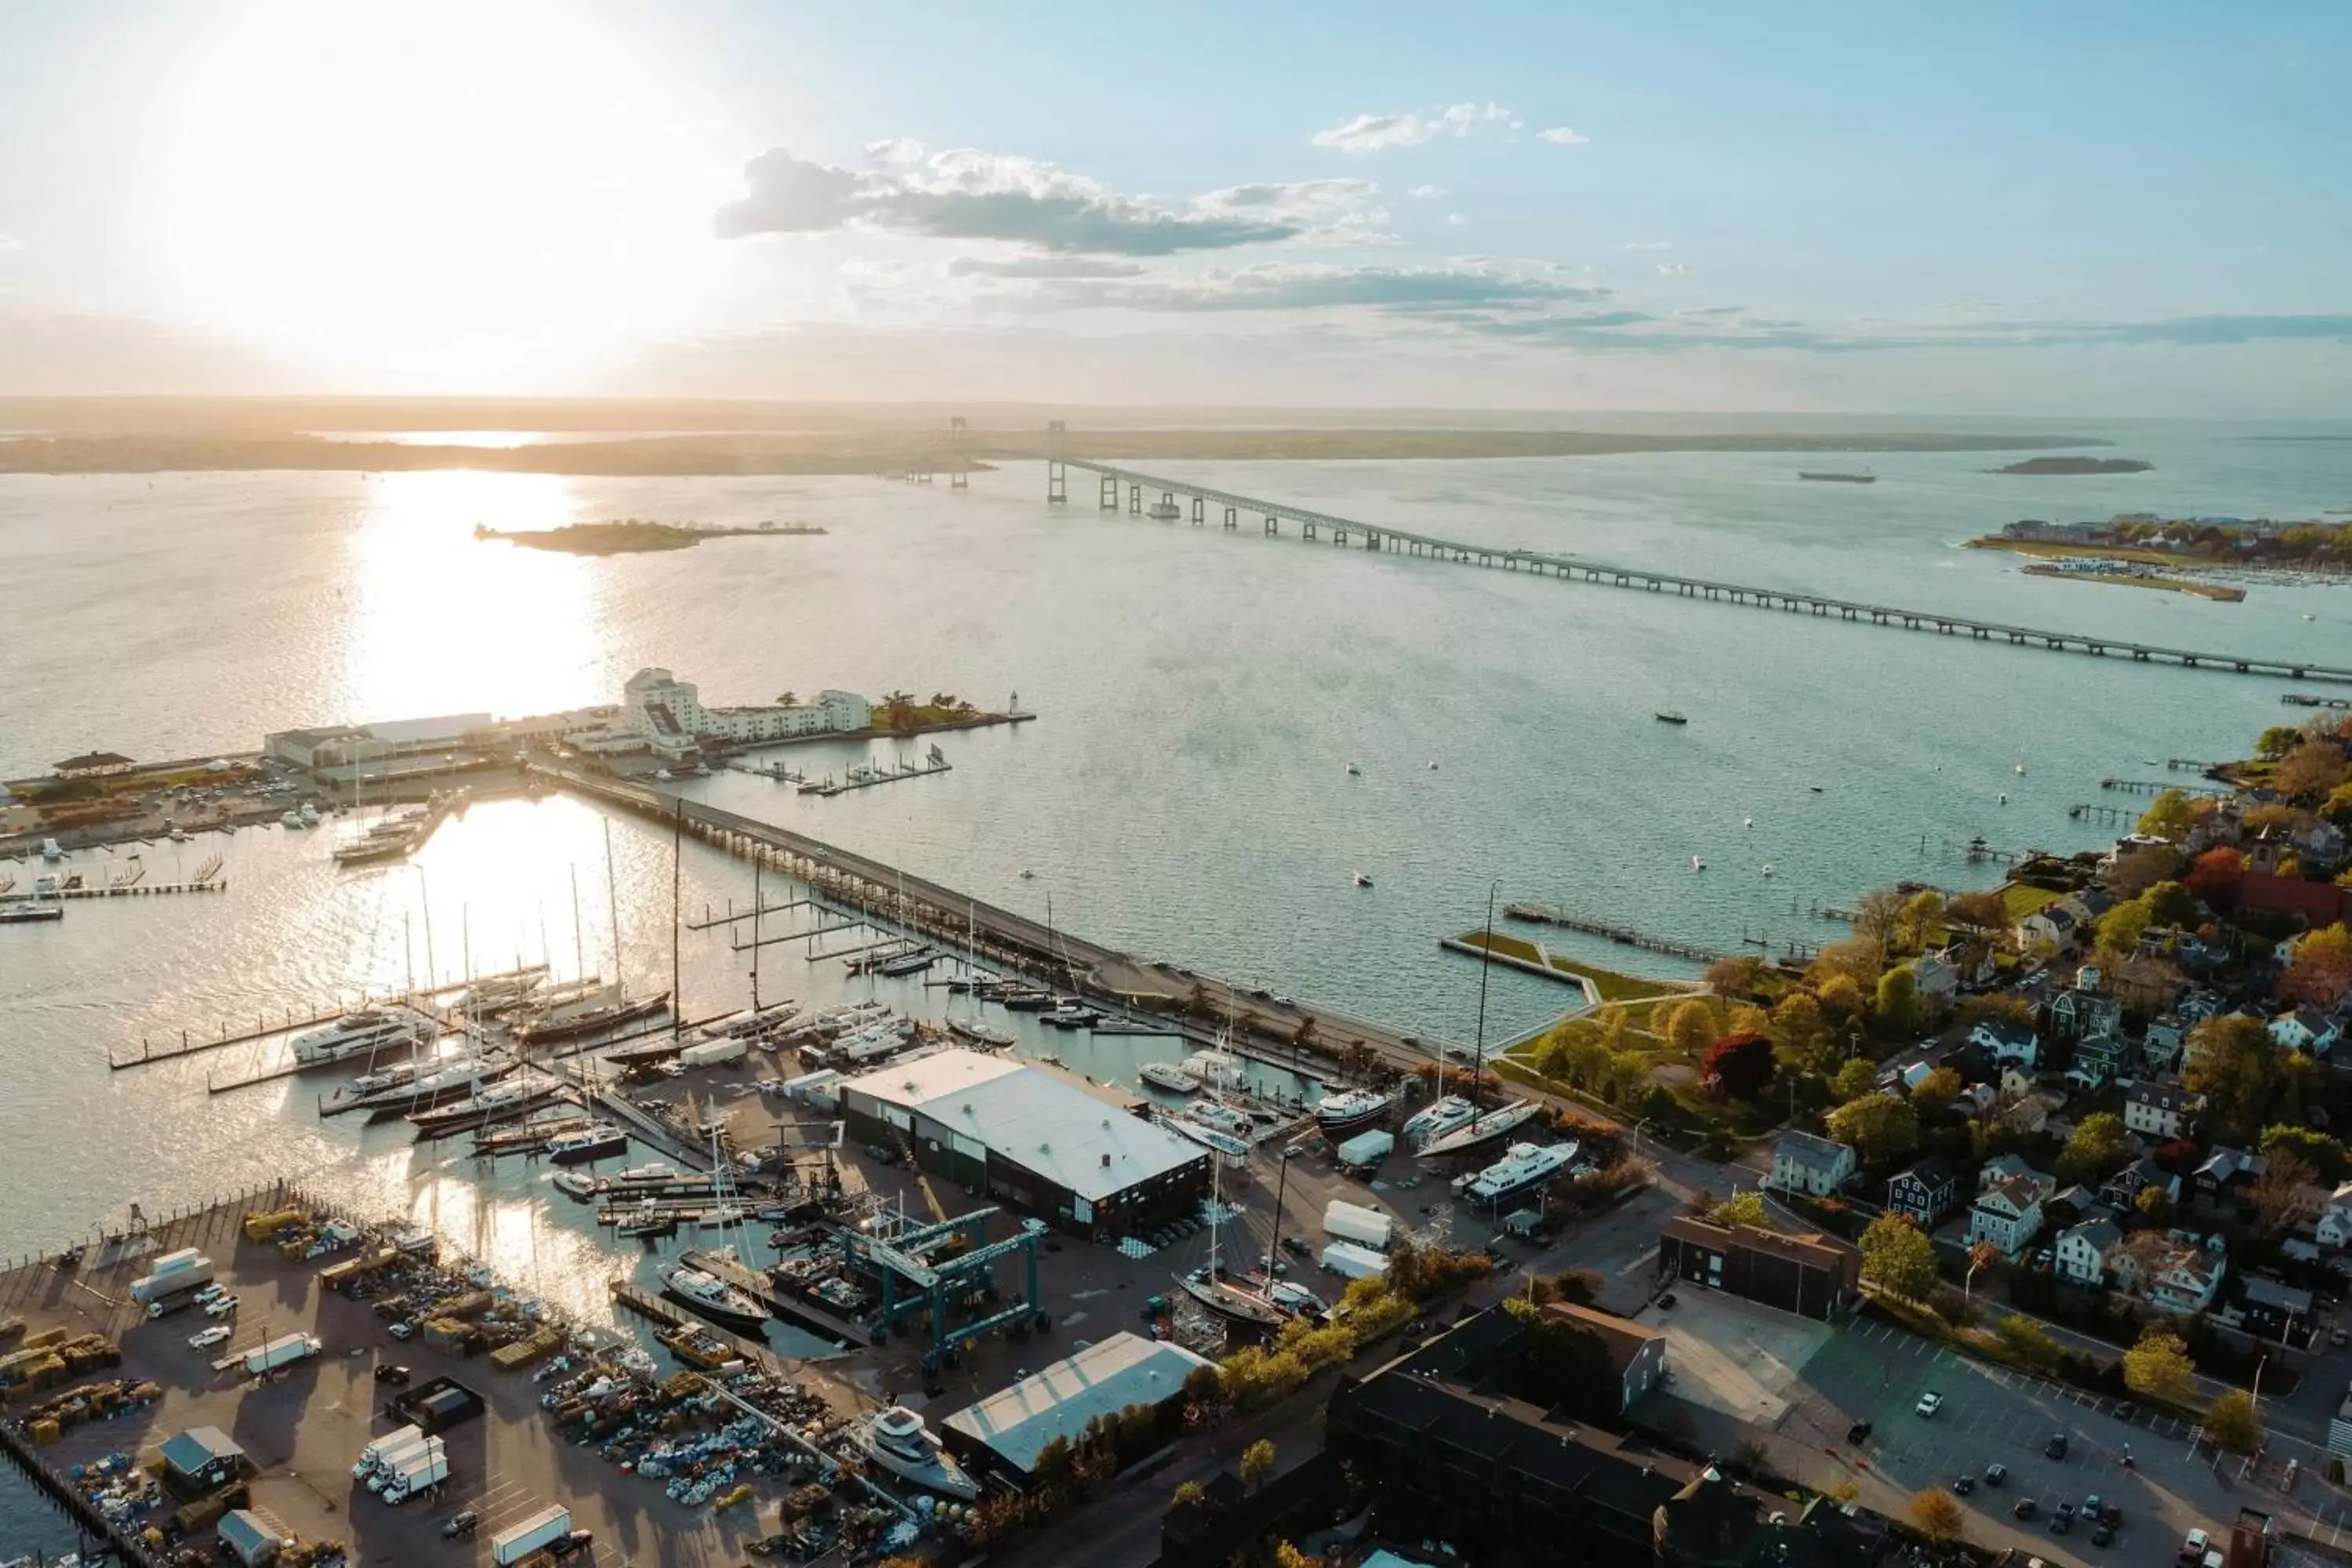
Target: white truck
<point x="283" y="1350"/>
<point x="712" y="1053"/>
<point x="190" y="1272"/>
<point x="1353" y="1222"/>
<point x="397" y="1438"/>
<point x="392" y="1461"/>
<point x="1365" y="1150"/>
<point x="1350" y="1261"/>
<point x="517" y="1542"/>
<point x="425" y="1468"/>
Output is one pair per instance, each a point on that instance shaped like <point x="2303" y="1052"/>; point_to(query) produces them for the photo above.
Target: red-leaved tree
<point x="1738" y="1065"/>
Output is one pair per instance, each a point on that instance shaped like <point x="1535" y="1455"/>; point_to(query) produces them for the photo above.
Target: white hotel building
<point x="665" y="714"/>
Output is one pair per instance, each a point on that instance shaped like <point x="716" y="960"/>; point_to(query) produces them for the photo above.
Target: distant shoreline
<point x="885" y="451"/>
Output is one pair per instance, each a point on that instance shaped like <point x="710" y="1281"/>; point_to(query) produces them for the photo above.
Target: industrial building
<point x="1007" y="1431"/>
<point x="358" y="745"/>
<point x="1028" y="1138"/>
<point x="1812" y="1276"/>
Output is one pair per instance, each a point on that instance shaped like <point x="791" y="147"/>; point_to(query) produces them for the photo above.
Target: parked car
<point x="2193" y="1545"/>
<point x="1297" y="1246"/>
<point x="2023" y="1509"/>
<point x="1996" y="1474"/>
<point x="221" y="1307"/>
<point x="1963" y="1485"/>
<point x="1859" y="1432"/>
<point x="2104" y="1536"/>
<point x="1929" y="1403"/>
<point x="1666" y="1301"/>
<point x="2057" y="1448"/>
<point x="461" y="1525"/>
<point x="395" y="1376"/>
<point x="204" y="1338"/>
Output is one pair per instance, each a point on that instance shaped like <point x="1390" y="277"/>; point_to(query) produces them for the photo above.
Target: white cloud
<point x="1674" y="269"/>
<point x="1563" y="136"/>
<point x="1041" y="267"/>
<point x="1471" y="284"/>
<point x="1376" y="133"/>
<point x="966" y="194"/>
<point x="10" y="242"/>
<point x="1455" y="220"/>
<point x="1649" y="245"/>
<point x="1303" y="200"/>
<point x="1427" y="193"/>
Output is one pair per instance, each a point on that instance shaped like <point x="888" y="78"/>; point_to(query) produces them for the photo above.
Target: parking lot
<point x="1871" y="1371"/>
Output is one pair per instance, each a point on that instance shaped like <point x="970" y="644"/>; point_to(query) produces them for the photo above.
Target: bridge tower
<point x="1057" y="474"/>
<point x="959" y="474"/>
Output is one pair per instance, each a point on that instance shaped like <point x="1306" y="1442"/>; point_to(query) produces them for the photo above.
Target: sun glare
<point x="434" y="195"/>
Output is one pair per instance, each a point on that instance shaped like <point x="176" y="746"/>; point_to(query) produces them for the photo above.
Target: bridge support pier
<point x="1232" y="518"/>
<point x="1135" y="500"/>
<point x="1057" y="482"/>
<point x="1372" y="541"/>
<point x="1306" y="531"/>
<point x="1199" y="508"/>
<point x="1273" y="523"/>
<point x="1109" y="493"/>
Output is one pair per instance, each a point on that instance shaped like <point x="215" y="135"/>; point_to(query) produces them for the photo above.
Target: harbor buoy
<point x="2005" y="798"/>
<point x="1749" y="822"/>
<point x="1768" y="868"/>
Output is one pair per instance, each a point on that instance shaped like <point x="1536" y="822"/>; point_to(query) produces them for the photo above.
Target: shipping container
<point x="193" y="1272"/>
<point x="1349" y="1261"/>
<point x="712" y="1053"/>
<point x="1365" y="1150"/>
<point x="1353" y="1222"/>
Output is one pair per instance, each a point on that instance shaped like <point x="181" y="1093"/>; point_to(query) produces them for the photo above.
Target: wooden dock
<point x="2305" y="700"/>
<point x="793" y="1309"/>
<point x="1624" y="936"/>
<point x="2145" y="787"/>
<point x="892" y="776"/>
<point x="2111" y="816"/>
<point x="191" y="1045"/>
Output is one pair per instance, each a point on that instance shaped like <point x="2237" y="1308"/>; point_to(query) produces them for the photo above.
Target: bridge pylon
<point x="1058" y="473"/>
<point x="959" y="472"/>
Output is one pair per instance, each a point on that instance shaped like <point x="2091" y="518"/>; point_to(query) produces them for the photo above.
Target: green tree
<point x="1937" y="1515"/>
<point x="1882" y="1129"/>
<point x="1897" y="1257"/>
<point x="1854" y="1080"/>
<point x="1941" y="1085"/>
<point x="2154" y="1204"/>
<point x="2234" y="1064"/>
<point x="2120" y="928"/>
<point x="1898" y="999"/>
<point x="1257" y="1463"/>
<point x="2324" y="1154"/>
<point x="2232" y="1422"/>
<point x="2159" y="1365"/>
<point x="1742" y="1209"/>
<point x="2170" y="903"/>
<point x="1799" y="1029"/>
<point x="2098" y="1144"/>
<point x="2277" y="740"/>
<point x="1841" y="998"/>
<point x="1921" y="922"/>
<point x="1188" y="1494"/>
<point x="2169" y="816"/>
<point x="1690" y="1029"/>
<point x="2028" y="1341"/>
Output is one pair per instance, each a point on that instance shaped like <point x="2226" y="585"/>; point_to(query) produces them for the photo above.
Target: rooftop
<point x="1101" y="1380"/>
<point x="1813" y="1250"/>
<point x="1038" y="1121"/>
<point x="1622" y="1339"/>
<point x="1814" y="1153"/>
<point x="193" y="1449"/>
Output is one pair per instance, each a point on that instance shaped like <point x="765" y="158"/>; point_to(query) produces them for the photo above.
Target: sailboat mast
<point x="613" y="897"/>
<point x="677" y="863"/>
<point x="756" y="895"/>
<point x="1487" y="964"/>
<point x="579" y="946"/>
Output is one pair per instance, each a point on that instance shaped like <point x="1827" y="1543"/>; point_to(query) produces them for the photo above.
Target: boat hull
<point x="1233" y="1306"/>
<point x="1491" y="1128"/>
<point x="584" y="1153"/>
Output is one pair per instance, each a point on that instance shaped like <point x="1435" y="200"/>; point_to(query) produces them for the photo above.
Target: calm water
<point x="1184" y="793"/>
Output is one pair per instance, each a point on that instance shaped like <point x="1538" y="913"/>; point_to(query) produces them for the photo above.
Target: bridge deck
<point x="1379" y="536"/>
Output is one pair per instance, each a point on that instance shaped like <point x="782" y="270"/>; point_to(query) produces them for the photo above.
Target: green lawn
<point x="2020" y="901"/>
<point x="1615" y="985"/>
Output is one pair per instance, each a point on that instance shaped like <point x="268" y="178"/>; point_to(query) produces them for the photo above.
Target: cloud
<point x="10" y="242"/>
<point x="1297" y="196"/>
<point x="1376" y="132"/>
<point x="1427" y="193"/>
<point x="1469" y="285"/>
<point x="1042" y="267"/>
<point x="1674" y="269"/>
<point x="1563" y="136"/>
<point x="965" y="193"/>
<point x="1649" y="245"/>
<point x="1455" y="220"/>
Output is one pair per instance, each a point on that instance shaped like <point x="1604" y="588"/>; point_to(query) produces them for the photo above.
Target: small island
<point x="2077" y="466"/>
<point x="632" y="536"/>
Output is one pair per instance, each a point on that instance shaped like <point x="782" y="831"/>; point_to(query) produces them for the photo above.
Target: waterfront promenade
<point x="1314" y="526"/>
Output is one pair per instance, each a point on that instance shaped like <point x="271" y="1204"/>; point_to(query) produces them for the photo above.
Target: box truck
<point x="712" y="1053"/>
<point x="424" y="1468"/>
<point x="1350" y="1261"/>
<point x="392" y="1461"/>
<point x="1365" y="1150"/>
<point x="397" y="1438"/>
<point x="546" y="1527"/>
<point x="1353" y="1222"/>
<point x="193" y="1274"/>
<point x="283" y="1350"/>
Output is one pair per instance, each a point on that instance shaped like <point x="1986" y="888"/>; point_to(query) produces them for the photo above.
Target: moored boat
<point x="701" y="1291"/>
<point x="1175" y="1079"/>
<point x="587" y="1144"/>
<point x="1438" y="1118"/>
<point x="897" y="1440"/>
<point x="987" y="1035"/>
<point x="1488" y="1126"/>
<point x="1353" y="1108"/>
<point x="362" y="1033"/>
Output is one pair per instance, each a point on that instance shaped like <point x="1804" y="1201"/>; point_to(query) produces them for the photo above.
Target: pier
<point x="1342" y="532"/>
<point x="2109" y="816"/>
<point x="1537" y="914"/>
<point x="190" y="1046"/>
<point x="2305" y="700"/>
<point x="2143" y="786"/>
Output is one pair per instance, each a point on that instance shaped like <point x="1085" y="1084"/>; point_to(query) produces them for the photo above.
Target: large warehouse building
<point x="1027" y="1138"/>
<point x="1006" y="1432"/>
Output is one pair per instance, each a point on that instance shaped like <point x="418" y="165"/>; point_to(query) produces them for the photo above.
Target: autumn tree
<point x="1898" y="999"/>
<point x="2098" y="1144"/>
<point x="1735" y="978"/>
<point x="1982" y="909"/>
<point x="2159" y="1365"/>
<point x="1854" y="1080"/>
<point x="2324" y="1154"/>
<point x="2120" y="928"/>
<point x="2231" y="1062"/>
<point x="1739" y="1066"/>
<point x="1841" y="996"/>
<point x="2310" y="770"/>
<point x="1690" y="1029"/>
<point x="2277" y="740"/>
<point x="2232" y="1422"/>
<point x="1937" y="1515"/>
<point x="1745" y="1207"/>
<point x="1919" y="922"/>
<point x="2284" y="1196"/>
<point x="1875" y="915"/>
<point x="1882" y="1128"/>
<point x="2216" y="873"/>
<point x="1257" y="1463"/>
<point x="1897" y="1257"/>
<point x="2167" y="816"/>
<point x="2170" y="903"/>
<point x="1798" y="1029"/>
<point x="2028" y="1341"/>
<point x="1858" y="958"/>
<point x="2321" y="973"/>
<point x="2136" y="870"/>
<point x="1940" y="1085"/>
<point x="1994" y="1007"/>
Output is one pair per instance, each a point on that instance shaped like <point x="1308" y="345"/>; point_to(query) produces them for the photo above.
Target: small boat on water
<point x="697" y="1347"/>
<point x="649" y="1173"/>
<point x="1669" y="715"/>
<point x="897" y="1440"/>
<point x="24" y="911"/>
<point x="507" y="1099"/>
<point x="588" y="1144"/>
<point x="700" y="1291"/>
<point x="987" y="1035"/>
<point x="1175" y="1080"/>
<point x="649" y="1219"/>
<point x="575" y="1184"/>
<point x="1835" y="477"/>
<point x="1022" y="1000"/>
<point x="1491" y="1127"/>
<point x="912" y="962"/>
<point x="1362" y="881"/>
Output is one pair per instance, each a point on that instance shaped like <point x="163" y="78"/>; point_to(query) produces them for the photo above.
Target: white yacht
<point x="1487" y="1127"/>
<point x="356" y="1033"/>
<point x="1522" y="1167"/>
<point x="50" y="850"/>
<point x="713" y="1298"/>
<point x="1206" y="1137"/>
<point x="898" y="1441"/>
<point x="1437" y="1118"/>
<point x="1224" y="1118"/>
<point x="1175" y="1080"/>
<point x="1217" y="1069"/>
<point x="575" y="1184"/>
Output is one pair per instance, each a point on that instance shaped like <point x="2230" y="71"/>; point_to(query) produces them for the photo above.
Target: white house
<point x="2187" y="1277"/>
<point x="2012" y="1168"/>
<point x="2007" y="1214"/>
<point x="2335" y="1225"/>
<point x="1804" y="1163"/>
<point x="2007" y="1043"/>
<point x="2160" y="1110"/>
<point x="2307" y="1029"/>
<point x="2082" y="1251"/>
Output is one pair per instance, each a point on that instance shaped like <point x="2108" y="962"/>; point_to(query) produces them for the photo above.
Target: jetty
<point x="1382" y="538"/>
<point x="1625" y="936"/>
<point x="2305" y="700"/>
<point x="2145" y="787"/>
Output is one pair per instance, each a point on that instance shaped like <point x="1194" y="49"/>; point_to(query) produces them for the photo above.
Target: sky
<point x="2096" y="208"/>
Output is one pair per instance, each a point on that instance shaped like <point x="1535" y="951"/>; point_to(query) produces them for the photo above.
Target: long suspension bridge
<point x="1118" y="485"/>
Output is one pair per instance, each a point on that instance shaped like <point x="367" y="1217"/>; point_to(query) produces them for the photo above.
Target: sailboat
<point x="987" y="1037"/>
<point x="701" y="1290"/>
<point x="1228" y="1298"/>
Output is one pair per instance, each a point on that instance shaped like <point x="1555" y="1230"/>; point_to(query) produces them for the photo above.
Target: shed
<point x="247" y="1540"/>
<point x="200" y="1458"/>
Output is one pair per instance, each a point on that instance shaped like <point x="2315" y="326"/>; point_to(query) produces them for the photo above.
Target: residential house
<point x="2072" y="1205"/>
<point x="2224" y="1183"/>
<point x="2183" y="1276"/>
<point x="1637" y="1352"/>
<point x="1804" y="1163"/>
<point x="2307" y="1029"/>
<point x="2098" y="1057"/>
<point x="1927" y="1192"/>
<point x="2195" y="1006"/>
<point x="2006" y="1044"/>
<point x="2321" y="843"/>
<point x="2075" y="1013"/>
<point x="2007" y="1215"/>
<point x="2032" y="1111"/>
<point x="2054" y="924"/>
<point x="2160" y="1049"/>
<point x="2267" y="1307"/>
<point x="2010" y="1168"/>
<point x="2145" y="984"/>
<point x="1936" y="977"/>
<point x="2334" y="1227"/>
<point x="2123" y="1189"/>
<point x="2082" y="1250"/>
<point x="2161" y="1112"/>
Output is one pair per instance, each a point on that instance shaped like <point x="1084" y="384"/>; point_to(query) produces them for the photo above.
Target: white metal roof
<point x="1103" y="1379"/>
<point x="1034" y="1119"/>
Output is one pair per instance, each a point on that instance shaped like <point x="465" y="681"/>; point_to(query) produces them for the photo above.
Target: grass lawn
<point x="1613" y="984"/>
<point x="2021" y="900"/>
